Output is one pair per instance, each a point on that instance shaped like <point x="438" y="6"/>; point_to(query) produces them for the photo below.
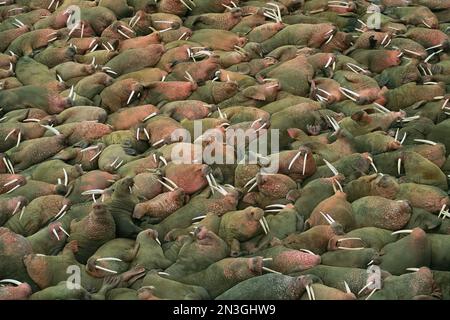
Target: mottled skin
<point x="337" y="207"/>
<point x="375" y="211"/>
<point x="92" y="85"/>
<point x="162" y="92"/>
<point x="45" y="241"/>
<point x="52" y="57"/>
<point x="94" y="179"/>
<point x="149" y="253"/>
<point x="267" y="287"/>
<point x="33" y="97"/>
<point x="145" y="76"/>
<point x="34" y="189"/>
<point x="218" y="39"/>
<point x="20" y="292"/>
<point x="372" y="185"/>
<point x="371" y="237"/>
<point x="26" y="43"/>
<point x="161" y="206"/>
<point x="189" y="177"/>
<point x="166" y="288"/>
<point x="187" y="109"/>
<point x="37" y="214"/>
<point x="61" y="291"/>
<point x="127" y="118"/>
<point x="116" y="95"/>
<point x="415" y="250"/>
<point x="52" y="170"/>
<point x="92" y="231"/>
<point x="214" y="91"/>
<point x="160" y="129"/>
<point x="224" y="274"/>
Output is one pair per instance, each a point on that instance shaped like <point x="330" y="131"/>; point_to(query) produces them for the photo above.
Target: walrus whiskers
<point x="109" y="259"/>
<point x="96" y="155"/>
<point x="105" y="269"/>
<point x="21" y="213"/>
<point x="261" y="222"/>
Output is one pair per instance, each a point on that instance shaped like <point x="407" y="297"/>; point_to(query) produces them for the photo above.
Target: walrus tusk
<point x="329" y="39"/>
<point x="16" y="208"/>
<point x="432" y="55"/>
<point x="171" y="182"/>
<point x="8" y="165"/>
<point x="21" y="213"/>
<point x="373" y="164"/>
<point x="184" y="4"/>
<point x="365" y="287"/>
<point x="399" y="166"/>
<point x="95" y="155"/>
<point x="13" y="281"/>
<point x="382" y="107"/>
<point x="331" y="167"/>
<point x="263" y="225"/>
<point x="307" y="251"/>
<point x="166" y="185"/>
<point x="371" y="293"/>
<point x="250" y="182"/>
<point x="310" y="292"/>
<point x="105" y="269"/>
<point x="109" y="259"/>
<point x="130" y="97"/>
<point x="293" y="159"/>
<point x="16" y="187"/>
<point x="401" y="231"/>
<point x="270" y="270"/>
<point x="149" y="116"/>
<point x="434" y="47"/>
<point x="282" y="206"/>
<point x="124" y="34"/>
<point x="61" y="210"/>
<point x="9" y="134"/>
<point x="164" y="273"/>
<point x="412" y="52"/>
<point x="56" y="234"/>
<point x="65" y="232"/>
<point x="412" y="269"/>
<point x="350" y="249"/>
<point x="163" y="160"/>
<point x="252" y="187"/>
<point x="10" y="182"/>
<point x="426" y="141"/>
<point x="199" y="217"/>
<point x="326" y="217"/>
<point x="92" y="191"/>
<point x="347" y="288"/>
<point x="66" y="177"/>
<point x="345" y="239"/>
<point x="267" y="259"/>
<point x="158" y="142"/>
<point x="181" y="37"/>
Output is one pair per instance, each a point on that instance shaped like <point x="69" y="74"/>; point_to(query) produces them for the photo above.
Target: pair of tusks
<point x="13" y="281"/>
<point x="134" y="20"/>
<point x="365" y="287"/>
<point x="61" y="213"/>
<point x="277" y="208"/>
<point x="331" y="167"/>
<point x="272" y="13"/>
<point x="381" y="108"/>
<point x="264" y="225"/>
<point x="214" y="185"/>
<point x="19" y="137"/>
<point x="444" y="213"/>
<point x="116" y="163"/>
<point x="355" y="68"/>
<point x="185" y="4"/>
<point x="372" y="163"/>
<point x="172" y="185"/>
<point x="8" y="165"/>
<point x="123" y="33"/>
<point x="17" y="23"/>
<point x="432" y="55"/>
<point x="161" y="158"/>
<point x="310" y="292"/>
<point x="349" y="93"/>
<point x="334" y="182"/>
<point x="56" y="232"/>
<point x="297" y="155"/>
<point x="109" y="70"/>
<point x="333" y="123"/>
<point x="51" y="4"/>
<point x="138" y="134"/>
<point x="268" y="269"/>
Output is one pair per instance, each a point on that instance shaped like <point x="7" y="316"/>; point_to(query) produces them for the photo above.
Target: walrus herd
<point x="350" y="96"/>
